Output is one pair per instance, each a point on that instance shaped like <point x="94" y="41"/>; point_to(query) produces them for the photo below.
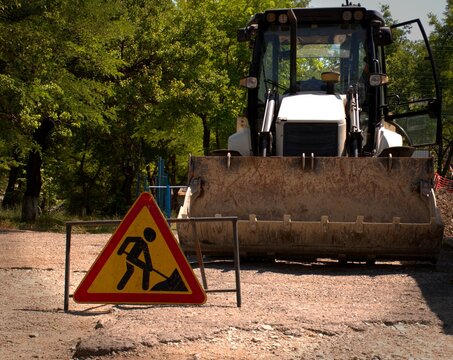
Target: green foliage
<point x="57" y="64"/>
<point x="411" y="75"/>
<point x="125" y="82"/>
<point x="441" y="40"/>
<point x="442" y="44"/>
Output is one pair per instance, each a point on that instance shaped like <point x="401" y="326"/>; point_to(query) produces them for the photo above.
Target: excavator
<point x="326" y="161"/>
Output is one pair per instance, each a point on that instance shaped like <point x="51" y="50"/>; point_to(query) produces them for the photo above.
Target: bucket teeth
<point x="324" y="223"/>
<point x="252" y="222"/>
<point x="287" y="222"/>
<point x="396" y="223"/>
<point x="359" y="224"/>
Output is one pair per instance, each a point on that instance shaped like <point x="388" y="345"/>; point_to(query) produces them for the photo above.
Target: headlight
<point x="358" y="15"/>
<point x="378" y="79"/>
<point x="249" y="82"/>
<point x="270" y="17"/>
<point x="347" y="15"/>
<point x="283" y="18"/>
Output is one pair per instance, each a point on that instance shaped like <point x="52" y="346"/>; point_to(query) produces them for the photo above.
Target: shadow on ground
<point x="436" y="284"/>
<point x="434" y="281"/>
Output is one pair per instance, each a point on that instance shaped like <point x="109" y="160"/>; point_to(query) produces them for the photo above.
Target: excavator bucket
<point x="362" y="209"/>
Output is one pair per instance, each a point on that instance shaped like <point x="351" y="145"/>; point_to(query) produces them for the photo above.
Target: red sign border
<point x="198" y="295"/>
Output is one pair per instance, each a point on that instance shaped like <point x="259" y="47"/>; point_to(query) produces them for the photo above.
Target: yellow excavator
<point x="326" y="161"/>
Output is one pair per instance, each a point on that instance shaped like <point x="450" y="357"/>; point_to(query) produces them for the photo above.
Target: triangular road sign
<point x="142" y="263"/>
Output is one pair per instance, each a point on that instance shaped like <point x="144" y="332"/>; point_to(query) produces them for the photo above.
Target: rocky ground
<point x="445" y="205"/>
<point x="289" y="310"/>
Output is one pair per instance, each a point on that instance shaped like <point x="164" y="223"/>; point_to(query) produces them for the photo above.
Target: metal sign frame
<point x="235" y="244"/>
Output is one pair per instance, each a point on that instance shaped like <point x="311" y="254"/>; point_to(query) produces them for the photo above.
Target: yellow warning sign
<point x="141" y="263"/>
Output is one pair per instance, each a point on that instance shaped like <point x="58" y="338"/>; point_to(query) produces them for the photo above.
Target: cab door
<point x="412" y="96"/>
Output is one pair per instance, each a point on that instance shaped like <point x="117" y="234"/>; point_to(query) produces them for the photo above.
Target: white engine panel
<point x="312" y="108"/>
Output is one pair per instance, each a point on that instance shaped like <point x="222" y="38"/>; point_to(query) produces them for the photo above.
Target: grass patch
<point x="51" y="222"/>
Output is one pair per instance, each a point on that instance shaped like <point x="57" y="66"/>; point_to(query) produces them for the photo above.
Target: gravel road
<point x="289" y="310"/>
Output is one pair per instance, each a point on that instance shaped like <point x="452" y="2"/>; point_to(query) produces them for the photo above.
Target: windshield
<point x="323" y="48"/>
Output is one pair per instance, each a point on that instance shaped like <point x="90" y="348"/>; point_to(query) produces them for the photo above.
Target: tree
<point x="211" y="90"/>
<point x="93" y="91"/>
<point x="144" y="97"/>
<point x="411" y="77"/>
<point x="442" y="43"/>
<point x="56" y="88"/>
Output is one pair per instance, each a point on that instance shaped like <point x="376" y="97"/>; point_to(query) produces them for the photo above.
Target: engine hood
<point x="311" y="107"/>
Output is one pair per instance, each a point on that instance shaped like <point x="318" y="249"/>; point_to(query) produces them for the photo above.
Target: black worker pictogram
<point x="139" y="251"/>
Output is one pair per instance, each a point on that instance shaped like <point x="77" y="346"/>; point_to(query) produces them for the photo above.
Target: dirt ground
<point x="289" y="310"/>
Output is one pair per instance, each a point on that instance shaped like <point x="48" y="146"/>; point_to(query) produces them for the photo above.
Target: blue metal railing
<point x="165" y="191"/>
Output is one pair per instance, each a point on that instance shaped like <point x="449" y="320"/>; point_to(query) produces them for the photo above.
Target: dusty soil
<point x="445" y="205"/>
<point x="289" y="310"/>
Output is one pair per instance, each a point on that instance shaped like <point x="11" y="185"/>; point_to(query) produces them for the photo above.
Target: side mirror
<point x="242" y="35"/>
<point x="249" y="82"/>
<point x="382" y="36"/>
<point x="247" y="33"/>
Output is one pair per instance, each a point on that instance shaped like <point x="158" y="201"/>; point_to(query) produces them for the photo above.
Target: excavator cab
<point x="336" y="51"/>
<point x="322" y="163"/>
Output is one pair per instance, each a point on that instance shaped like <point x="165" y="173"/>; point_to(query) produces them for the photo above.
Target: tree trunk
<point x="448" y="159"/>
<point x="126" y="186"/>
<point x="172" y="175"/>
<point x="30" y="203"/>
<point x="11" y="198"/>
<point x="206" y="134"/>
